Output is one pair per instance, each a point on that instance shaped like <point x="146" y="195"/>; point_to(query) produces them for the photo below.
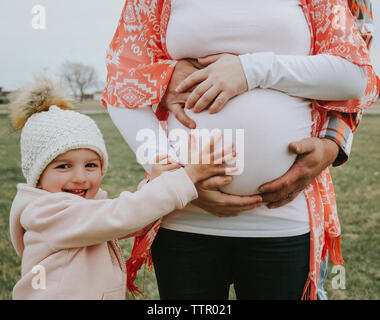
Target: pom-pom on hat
<point x="49" y="127"/>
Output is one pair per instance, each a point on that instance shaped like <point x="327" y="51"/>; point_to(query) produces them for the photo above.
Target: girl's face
<point x="76" y="171"/>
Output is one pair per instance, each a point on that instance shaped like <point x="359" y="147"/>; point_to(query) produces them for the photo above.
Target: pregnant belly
<point x="268" y="120"/>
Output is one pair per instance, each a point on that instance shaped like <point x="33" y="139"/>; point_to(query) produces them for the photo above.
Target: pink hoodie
<point x="68" y="244"/>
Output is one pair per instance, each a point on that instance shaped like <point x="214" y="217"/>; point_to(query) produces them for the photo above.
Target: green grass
<point x="357" y="186"/>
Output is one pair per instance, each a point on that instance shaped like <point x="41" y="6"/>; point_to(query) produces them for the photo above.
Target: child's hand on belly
<point x="211" y="160"/>
<point x="163" y="163"/>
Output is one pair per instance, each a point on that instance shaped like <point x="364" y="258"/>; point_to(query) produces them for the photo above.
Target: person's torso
<point x="270" y="119"/>
<point x="199" y="28"/>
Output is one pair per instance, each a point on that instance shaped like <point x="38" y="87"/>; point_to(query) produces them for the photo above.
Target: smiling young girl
<point x="61" y="224"/>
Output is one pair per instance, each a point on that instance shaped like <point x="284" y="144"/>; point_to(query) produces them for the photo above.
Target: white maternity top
<point x="268" y="35"/>
<point x="271" y="119"/>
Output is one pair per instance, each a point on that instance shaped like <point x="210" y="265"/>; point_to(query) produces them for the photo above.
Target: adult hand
<point x="314" y="155"/>
<point x="222" y="204"/>
<point x="222" y="79"/>
<point x="175" y="101"/>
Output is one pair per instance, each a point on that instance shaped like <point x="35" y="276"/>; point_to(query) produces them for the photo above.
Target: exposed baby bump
<point x="263" y="122"/>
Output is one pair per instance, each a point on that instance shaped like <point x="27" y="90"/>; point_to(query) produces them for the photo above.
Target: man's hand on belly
<point x="219" y="203"/>
<point x="314" y="155"/>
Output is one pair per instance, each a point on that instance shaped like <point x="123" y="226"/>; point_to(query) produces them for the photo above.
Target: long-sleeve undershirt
<point x="322" y="77"/>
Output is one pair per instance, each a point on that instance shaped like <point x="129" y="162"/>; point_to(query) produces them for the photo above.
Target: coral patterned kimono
<point x="139" y="71"/>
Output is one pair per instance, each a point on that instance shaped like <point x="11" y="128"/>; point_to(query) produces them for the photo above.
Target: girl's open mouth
<point x="78" y="192"/>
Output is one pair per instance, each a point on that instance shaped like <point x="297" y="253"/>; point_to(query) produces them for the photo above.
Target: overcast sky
<point x="76" y="30"/>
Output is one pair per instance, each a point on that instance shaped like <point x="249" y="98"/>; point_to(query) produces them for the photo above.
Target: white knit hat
<point x="49" y="130"/>
<point x="48" y="134"/>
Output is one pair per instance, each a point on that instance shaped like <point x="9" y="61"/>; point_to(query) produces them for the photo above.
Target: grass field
<point x="357" y="186"/>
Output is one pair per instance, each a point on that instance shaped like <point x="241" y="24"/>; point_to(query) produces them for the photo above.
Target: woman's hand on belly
<point x="313" y="156"/>
<point x="174" y="101"/>
<point x="222" y="79"/>
<point x="219" y="203"/>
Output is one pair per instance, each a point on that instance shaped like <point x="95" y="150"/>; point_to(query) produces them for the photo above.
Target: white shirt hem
<point x="239" y="233"/>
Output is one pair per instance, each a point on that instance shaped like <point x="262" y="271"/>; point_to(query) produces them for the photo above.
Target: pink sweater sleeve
<point x="68" y="221"/>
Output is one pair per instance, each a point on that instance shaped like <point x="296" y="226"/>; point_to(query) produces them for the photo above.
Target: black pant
<point x="196" y="266"/>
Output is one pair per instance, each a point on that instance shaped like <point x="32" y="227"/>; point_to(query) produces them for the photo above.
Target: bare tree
<point x="78" y="77"/>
